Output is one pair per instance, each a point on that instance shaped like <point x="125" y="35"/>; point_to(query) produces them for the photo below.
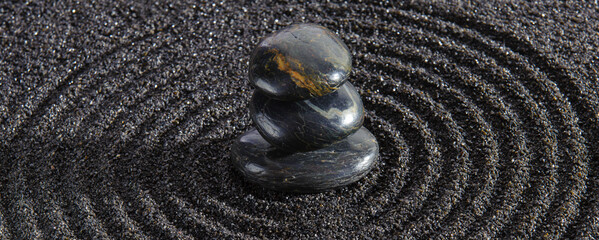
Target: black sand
<point x="116" y="121"/>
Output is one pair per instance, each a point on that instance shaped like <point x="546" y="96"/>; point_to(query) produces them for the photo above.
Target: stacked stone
<point x="309" y="118"/>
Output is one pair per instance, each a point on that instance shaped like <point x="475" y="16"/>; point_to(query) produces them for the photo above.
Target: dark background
<point x="116" y="120"/>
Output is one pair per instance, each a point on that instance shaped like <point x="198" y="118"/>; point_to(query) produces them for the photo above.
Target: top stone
<point x="299" y="62"/>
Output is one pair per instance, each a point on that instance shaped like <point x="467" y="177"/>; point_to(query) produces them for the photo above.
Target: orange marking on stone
<point x="298" y="78"/>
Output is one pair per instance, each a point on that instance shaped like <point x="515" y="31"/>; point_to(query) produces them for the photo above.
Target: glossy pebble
<point x="300" y="62"/>
<point x="339" y="164"/>
<point x="308" y="124"/>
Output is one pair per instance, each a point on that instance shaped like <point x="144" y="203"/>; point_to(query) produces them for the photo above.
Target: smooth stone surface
<point x="308" y="124"/>
<point x="336" y="165"/>
<point x="300" y="62"/>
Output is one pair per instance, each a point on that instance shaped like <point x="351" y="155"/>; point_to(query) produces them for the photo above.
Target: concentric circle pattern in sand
<point x="116" y="121"/>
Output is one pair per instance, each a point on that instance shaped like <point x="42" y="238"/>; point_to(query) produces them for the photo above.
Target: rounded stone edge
<point x="305" y="188"/>
<point x="304" y="94"/>
<point x="260" y="127"/>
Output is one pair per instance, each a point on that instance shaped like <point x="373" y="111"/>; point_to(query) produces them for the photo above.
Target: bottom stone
<point x="336" y="165"/>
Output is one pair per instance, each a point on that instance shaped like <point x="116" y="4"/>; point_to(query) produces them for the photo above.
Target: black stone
<point x="339" y="164"/>
<point x="308" y="124"/>
<point x="300" y="62"/>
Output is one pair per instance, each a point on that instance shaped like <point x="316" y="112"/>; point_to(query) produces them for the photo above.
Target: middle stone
<point x="308" y="124"/>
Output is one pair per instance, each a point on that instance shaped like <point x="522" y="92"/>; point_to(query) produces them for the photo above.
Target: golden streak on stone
<point x="298" y="78"/>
